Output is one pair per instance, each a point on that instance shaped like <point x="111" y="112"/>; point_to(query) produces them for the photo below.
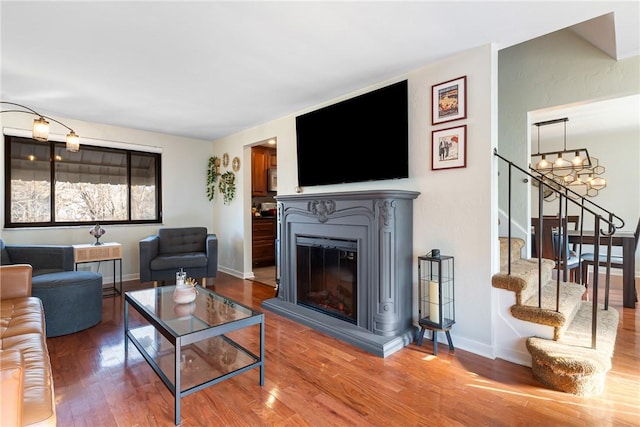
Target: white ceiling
<point x="208" y="69"/>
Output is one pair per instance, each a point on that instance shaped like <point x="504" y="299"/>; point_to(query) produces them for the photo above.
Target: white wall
<point x="454" y="211"/>
<point x="184" y="163"/>
<point x="560" y="69"/>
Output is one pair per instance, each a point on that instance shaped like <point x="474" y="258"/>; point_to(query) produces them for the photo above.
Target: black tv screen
<point x="365" y="138"/>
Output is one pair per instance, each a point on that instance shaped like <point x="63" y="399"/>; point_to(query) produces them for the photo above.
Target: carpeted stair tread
<point x="570" y="364"/>
<point x="569" y="304"/>
<point x="523" y="279"/>
<point x="579" y="331"/>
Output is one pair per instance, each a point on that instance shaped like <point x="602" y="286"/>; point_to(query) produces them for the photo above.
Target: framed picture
<point x="449" y="101"/>
<point x="449" y="148"/>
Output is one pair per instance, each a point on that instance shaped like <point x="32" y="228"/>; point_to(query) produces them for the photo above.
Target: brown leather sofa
<point x="26" y="381"/>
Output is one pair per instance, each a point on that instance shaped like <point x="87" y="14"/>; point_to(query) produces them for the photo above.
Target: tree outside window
<point x="95" y="184"/>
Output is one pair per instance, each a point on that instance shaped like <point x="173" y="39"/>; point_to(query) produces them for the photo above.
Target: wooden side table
<point x="112" y="251"/>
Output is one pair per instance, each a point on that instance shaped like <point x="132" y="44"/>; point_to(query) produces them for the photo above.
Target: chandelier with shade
<point x="574" y="168"/>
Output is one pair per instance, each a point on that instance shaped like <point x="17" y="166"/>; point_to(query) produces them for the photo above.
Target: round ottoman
<point x="72" y="300"/>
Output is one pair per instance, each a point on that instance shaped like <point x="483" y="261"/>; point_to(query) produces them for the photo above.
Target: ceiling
<point x="208" y="69"/>
<point x="597" y="118"/>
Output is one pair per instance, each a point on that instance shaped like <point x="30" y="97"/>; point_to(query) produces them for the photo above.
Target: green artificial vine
<point x="212" y="176"/>
<point x="227" y="186"/>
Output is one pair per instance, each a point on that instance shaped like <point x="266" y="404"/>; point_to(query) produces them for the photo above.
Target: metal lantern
<point x="436" y="310"/>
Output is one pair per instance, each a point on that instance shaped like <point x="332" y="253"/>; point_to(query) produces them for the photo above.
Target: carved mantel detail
<point x="386" y="211"/>
<point x="322" y="208"/>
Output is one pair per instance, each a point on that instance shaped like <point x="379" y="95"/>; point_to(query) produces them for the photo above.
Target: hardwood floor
<point x="265" y="275"/>
<point x="314" y="380"/>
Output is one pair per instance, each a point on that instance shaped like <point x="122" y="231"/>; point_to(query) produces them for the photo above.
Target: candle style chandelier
<point x="40" y="130"/>
<point x="582" y="174"/>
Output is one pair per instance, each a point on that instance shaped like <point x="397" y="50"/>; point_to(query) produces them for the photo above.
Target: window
<point x="48" y="186"/>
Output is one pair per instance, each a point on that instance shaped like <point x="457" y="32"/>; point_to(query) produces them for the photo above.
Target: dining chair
<point x="553" y="244"/>
<point x="617" y="261"/>
<point x="572" y="220"/>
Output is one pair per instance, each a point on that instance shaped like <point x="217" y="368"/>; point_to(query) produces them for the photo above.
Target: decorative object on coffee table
<point x="184" y="294"/>
<point x="97" y="232"/>
<point x="185" y="291"/>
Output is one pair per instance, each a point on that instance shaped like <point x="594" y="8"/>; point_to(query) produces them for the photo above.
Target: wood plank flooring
<point x="315" y="380"/>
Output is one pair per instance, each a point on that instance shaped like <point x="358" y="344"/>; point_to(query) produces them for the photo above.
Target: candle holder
<point x="436" y="311"/>
<point x="181" y="278"/>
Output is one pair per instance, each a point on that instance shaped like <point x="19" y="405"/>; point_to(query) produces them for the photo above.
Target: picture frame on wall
<point x="449" y="101"/>
<point x="449" y="148"/>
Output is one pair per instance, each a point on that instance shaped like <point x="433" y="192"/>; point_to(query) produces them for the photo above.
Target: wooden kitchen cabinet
<point x="259" y="167"/>
<point x="264" y="241"/>
<point x="262" y="159"/>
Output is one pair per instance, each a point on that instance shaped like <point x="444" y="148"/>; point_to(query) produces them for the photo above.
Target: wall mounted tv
<point x="365" y="138"/>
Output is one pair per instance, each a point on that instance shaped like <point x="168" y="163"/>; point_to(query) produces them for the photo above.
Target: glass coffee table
<point x="187" y="344"/>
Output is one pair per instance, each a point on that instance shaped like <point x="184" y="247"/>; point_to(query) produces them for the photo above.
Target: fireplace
<point x="327" y="276"/>
<point x="345" y="263"/>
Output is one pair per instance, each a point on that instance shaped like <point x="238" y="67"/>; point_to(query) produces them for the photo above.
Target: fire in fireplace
<point x="327" y="276"/>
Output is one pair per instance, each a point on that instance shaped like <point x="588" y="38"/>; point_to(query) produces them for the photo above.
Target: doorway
<point x="264" y="163"/>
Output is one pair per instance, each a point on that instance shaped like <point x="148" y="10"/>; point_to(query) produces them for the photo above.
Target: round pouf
<point x="72" y="300"/>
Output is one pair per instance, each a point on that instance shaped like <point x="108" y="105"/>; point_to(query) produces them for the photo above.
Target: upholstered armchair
<point x="191" y="248"/>
<point x="44" y="259"/>
<point x="72" y="300"/>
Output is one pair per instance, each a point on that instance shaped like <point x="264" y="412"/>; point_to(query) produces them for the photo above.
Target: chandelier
<point x="40" y="130"/>
<point x="573" y="168"/>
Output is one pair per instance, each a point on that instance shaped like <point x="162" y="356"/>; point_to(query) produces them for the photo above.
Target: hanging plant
<point x="212" y="176"/>
<point x="227" y="186"/>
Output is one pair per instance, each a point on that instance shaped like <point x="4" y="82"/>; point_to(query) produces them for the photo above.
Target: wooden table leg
<point x="629" y="293"/>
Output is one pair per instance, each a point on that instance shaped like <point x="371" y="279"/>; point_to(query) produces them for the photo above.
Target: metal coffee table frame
<point x="189" y="334"/>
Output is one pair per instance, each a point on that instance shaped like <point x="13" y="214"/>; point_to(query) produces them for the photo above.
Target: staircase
<point x="575" y="354"/>
<point x="567" y="362"/>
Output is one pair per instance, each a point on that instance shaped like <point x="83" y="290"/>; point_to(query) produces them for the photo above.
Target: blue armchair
<point x="190" y="248"/>
<point x="44" y="259"/>
<point x="72" y="300"/>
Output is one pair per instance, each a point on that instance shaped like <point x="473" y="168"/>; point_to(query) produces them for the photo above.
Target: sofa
<point x="192" y="249"/>
<point x="72" y="299"/>
<point x="26" y="380"/>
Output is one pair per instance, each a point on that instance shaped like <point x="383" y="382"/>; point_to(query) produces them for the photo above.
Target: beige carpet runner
<point x="567" y="363"/>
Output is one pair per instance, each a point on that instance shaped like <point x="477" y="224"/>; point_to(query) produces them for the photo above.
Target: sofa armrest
<point x="15" y="280"/>
<point x="148" y="251"/>
<point x="11" y="387"/>
<point x="43" y="257"/>
<point x="211" y="248"/>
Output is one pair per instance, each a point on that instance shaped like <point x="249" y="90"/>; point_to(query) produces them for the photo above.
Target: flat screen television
<point x="365" y="138"/>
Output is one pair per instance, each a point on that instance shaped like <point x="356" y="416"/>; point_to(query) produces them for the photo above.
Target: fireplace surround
<point x="377" y="227"/>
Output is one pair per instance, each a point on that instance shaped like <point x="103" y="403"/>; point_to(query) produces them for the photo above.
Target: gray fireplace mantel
<point x="381" y="222"/>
